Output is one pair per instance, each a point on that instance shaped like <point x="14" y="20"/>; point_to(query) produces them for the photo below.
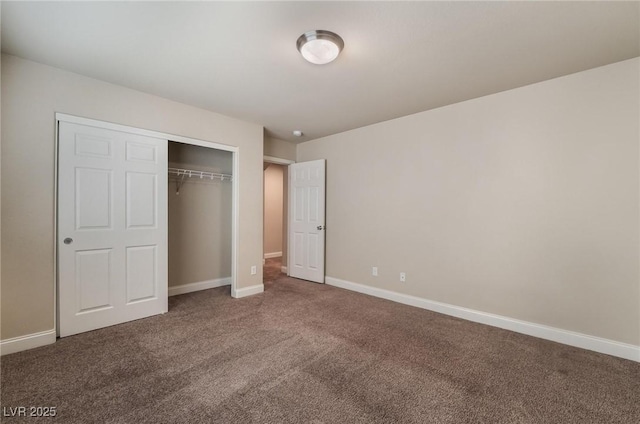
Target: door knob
<point x="68" y="240"/>
<point x="320" y="227"/>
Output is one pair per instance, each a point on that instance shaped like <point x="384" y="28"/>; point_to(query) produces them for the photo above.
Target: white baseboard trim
<point x="571" y="338"/>
<point x="247" y="291"/>
<point x="283" y="269"/>
<point x="30" y="341"/>
<point x="273" y="255"/>
<point x="200" y="285"/>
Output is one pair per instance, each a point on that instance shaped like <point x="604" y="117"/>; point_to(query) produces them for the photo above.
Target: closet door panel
<point x="93" y="279"/>
<point x="141" y="273"/>
<point x="141" y="152"/>
<point x="93" y="191"/>
<point x="142" y="203"/>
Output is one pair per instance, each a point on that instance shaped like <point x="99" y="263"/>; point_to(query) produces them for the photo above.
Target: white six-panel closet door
<point x="112" y="227"/>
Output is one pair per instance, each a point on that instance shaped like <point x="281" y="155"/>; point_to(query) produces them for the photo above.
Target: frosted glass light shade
<point x="320" y="47"/>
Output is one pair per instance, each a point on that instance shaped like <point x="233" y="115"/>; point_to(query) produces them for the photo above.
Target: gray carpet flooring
<point x="309" y="353"/>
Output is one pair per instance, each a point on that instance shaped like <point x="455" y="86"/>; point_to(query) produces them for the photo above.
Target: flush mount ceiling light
<point x="320" y="46"/>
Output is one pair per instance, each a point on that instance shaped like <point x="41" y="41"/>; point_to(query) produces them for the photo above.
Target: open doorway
<point x="275" y="218"/>
<point x="296" y="191"/>
<point x="274" y="221"/>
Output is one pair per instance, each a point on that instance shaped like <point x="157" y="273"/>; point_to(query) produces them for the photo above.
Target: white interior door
<point x="306" y="220"/>
<point x="112" y="227"/>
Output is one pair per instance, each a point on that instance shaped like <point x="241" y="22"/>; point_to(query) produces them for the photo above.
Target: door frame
<point x="235" y="181"/>
<point x="277" y="161"/>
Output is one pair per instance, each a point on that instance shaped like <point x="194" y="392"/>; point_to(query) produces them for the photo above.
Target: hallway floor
<point x="272" y="270"/>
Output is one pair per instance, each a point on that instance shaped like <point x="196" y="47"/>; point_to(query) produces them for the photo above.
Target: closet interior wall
<point x="200" y="217"/>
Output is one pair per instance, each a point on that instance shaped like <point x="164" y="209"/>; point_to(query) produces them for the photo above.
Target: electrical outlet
<point x="374" y="271"/>
<point x="403" y="277"/>
<point x="254" y="270"/>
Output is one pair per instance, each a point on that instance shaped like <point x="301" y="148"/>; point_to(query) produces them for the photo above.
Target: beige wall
<point x="200" y="217"/>
<point x="279" y="148"/>
<point x="31" y="94"/>
<point x="522" y="204"/>
<point x="273" y="208"/>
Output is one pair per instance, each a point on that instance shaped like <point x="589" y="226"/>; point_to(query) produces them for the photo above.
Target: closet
<point x="199" y="217"/>
<point x="139" y="218"/>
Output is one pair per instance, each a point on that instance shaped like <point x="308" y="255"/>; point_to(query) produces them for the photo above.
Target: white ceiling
<point x="240" y="59"/>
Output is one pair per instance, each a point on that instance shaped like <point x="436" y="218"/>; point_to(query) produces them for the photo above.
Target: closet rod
<point x="199" y="174"/>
